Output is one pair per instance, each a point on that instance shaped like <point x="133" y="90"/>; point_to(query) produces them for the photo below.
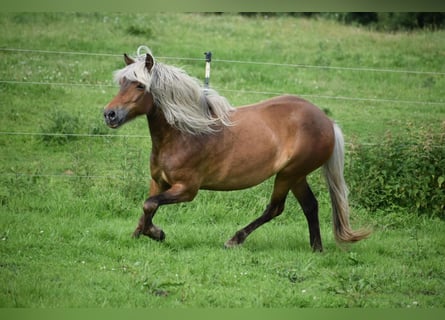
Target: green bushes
<point x="61" y="128"/>
<point x="392" y="21"/>
<point x="406" y="171"/>
<point x="382" y="21"/>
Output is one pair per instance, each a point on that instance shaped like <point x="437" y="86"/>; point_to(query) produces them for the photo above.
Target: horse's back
<point x="290" y="107"/>
<point x="283" y="134"/>
<point x="289" y="118"/>
<point x="302" y="132"/>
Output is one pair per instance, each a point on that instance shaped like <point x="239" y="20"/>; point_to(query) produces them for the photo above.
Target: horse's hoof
<point x="136" y="234"/>
<point x="159" y="235"/>
<point x="231" y="244"/>
<point x="317" y="246"/>
<point x="236" y="240"/>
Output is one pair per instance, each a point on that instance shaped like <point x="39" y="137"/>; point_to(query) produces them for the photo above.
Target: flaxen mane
<point x="185" y="103"/>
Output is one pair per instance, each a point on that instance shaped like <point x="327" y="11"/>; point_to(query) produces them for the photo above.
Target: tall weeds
<point x="406" y="171"/>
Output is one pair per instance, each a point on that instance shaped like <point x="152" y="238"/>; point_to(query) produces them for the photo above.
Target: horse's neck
<point x="160" y="130"/>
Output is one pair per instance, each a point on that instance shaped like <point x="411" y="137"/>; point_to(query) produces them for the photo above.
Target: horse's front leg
<point x="146" y="219"/>
<point x="176" y="193"/>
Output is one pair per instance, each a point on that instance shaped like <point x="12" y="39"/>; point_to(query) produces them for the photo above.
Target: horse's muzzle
<point x="113" y="118"/>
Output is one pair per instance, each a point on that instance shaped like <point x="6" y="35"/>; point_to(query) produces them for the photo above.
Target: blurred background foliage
<point x="381" y="21"/>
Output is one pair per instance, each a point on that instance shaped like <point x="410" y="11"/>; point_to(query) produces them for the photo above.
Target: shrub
<point x="61" y="127"/>
<point x="391" y="21"/>
<point x="364" y="18"/>
<point x="139" y="31"/>
<point x="394" y="21"/>
<point x="405" y="171"/>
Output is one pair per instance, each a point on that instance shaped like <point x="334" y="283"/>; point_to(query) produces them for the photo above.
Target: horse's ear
<point x="127" y="59"/>
<point x="149" y="62"/>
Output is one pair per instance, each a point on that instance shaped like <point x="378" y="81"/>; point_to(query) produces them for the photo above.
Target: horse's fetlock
<point x="149" y="206"/>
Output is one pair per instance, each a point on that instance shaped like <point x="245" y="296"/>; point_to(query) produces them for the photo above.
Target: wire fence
<point x="253" y="92"/>
<point x="271" y="93"/>
<point x="270" y="64"/>
<point x="275" y="64"/>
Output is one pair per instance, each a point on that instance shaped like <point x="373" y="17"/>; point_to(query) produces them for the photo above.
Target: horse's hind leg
<point x="309" y="204"/>
<point x="275" y="208"/>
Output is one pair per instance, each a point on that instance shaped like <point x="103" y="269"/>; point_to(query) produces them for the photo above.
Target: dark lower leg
<point x="146" y="226"/>
<point x="271" y="212"/>
<point x="148" y="229"/>
<point x="309" y="204"/>
<point x="176" y="193"/>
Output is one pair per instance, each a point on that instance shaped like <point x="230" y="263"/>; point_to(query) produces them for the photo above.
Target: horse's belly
<point x="240" y="172"/>
<point x="234" y="183"/>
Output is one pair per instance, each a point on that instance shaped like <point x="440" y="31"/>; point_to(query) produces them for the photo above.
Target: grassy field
<point x="72" y="190"/>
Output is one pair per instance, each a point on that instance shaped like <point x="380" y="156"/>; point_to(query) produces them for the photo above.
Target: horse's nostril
<point x="110" y="115"/>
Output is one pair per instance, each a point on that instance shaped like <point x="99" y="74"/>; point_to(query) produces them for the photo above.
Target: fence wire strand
<point x="315" y="96"/>
<point x="287" y="65"/>
<point x="105" y="85"/>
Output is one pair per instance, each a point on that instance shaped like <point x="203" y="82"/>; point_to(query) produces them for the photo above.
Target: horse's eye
<point x="140" y="86"/>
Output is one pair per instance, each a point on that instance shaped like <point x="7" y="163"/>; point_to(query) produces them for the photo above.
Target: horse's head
<point x="134" y="98"/>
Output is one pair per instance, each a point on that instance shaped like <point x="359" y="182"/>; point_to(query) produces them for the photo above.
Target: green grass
<point x="70" y="203"/>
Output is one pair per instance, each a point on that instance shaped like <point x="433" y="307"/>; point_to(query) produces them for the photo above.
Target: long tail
<point x="333" y="172"/>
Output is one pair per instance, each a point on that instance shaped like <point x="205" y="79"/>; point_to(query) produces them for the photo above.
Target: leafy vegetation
<point x="382" y="21"/>
<point x="62" y="128"/>
<point x="406" y="171"/>
<point x="70" y="202"/>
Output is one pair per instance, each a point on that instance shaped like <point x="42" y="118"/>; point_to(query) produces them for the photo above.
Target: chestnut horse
<point x="200" y="142"/>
